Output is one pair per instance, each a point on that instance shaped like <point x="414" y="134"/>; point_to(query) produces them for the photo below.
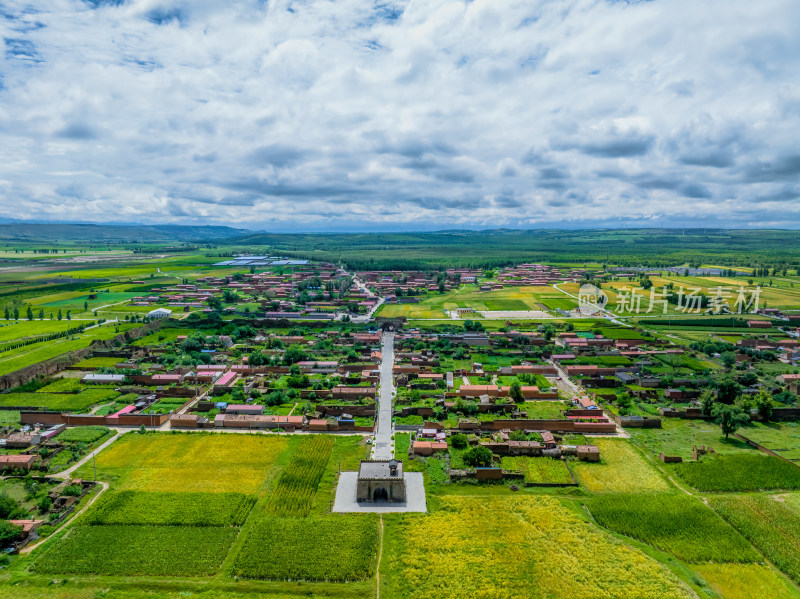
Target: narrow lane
<point x="383" y="436"/>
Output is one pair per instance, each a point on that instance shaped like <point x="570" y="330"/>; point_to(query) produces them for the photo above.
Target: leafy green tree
<point x="549" y="331"/>
<point x="478" y="456"/>
<point x="459" y="441"/>
<point x="8" y="532"/>
<point x="515" y="391"/>
<point x="8" y="507"/>
<point x="707" y="402"/>
<point x="29" y="313"/>
<point x="730" y="418"/>
<point x="60" y="316"/>
<point x="727" y="390"/>
<point x="764" y="404"/>
<point x="728" y="359"/>
<point x="44" y="504"/>
<point x="275" y="398"/>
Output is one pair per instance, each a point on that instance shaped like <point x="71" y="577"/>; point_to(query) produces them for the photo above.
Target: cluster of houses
<point x="414" y="283"/>
<point x="276" y="292"/>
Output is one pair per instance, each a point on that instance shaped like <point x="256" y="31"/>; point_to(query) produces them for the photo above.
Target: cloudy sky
<point x="302" y="115"/>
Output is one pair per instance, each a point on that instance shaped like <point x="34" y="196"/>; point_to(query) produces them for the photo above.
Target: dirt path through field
<point x="103" y="489"/>
<point x="68" y="472"/>
<point x="378" y="567"/>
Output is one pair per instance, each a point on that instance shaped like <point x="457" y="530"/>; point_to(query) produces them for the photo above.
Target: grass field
<point x="187" y="462"/>
<point x="781" y="437"/>
<point x="513" y="547"/>
<point x="621" y="470"/>
<point x="677" y="436"/>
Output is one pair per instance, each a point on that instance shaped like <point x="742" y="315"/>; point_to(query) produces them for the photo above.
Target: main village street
<point x="384" y="446"/>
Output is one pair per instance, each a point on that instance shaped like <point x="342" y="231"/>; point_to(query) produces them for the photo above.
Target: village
<point x="383" y="411"/>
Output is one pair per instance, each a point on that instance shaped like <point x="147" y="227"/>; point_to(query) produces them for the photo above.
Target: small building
<point x="22" y="440"/>
<point x="14" y="462"/>
<point x="159" y="313"/>
<point x="759" y="324"/>
<point x="244" y="409"/>
<point x="588" y="453"/>
<point x="104" y="379"/>
<point x="381" y="481"/>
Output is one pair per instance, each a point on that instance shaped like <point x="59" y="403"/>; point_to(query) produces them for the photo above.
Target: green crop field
<point x="138" y="551"/>
<point x="772" y="526"/>
<point x="24" y="329"/>
<point x="298" y="482"/>
<point x="19" y="358"/>
<point x="83" y="434"/>
<point x="171" y="509"/>
<point x="336" y="548"/>
<point x="678" y="524"/>
<point x="743" y="472"/>
<point x="539" y="470"/>
<point x="76" y="402"/>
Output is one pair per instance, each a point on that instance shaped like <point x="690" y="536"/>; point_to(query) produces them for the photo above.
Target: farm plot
<point x="676" y="437"/>
<point x="83" y="434"/>
<point x="513" y="547"/>
<point x="539" y="470"/>
<point x="171" y="509"/>
<point x="32" y="328"/>
<point x="745" y="581"/>
<point x="138" y="551"/>
<point x="770" y="525"/>
<point x="781" y="437"/>
<point x="188" y="462"/>
<point x="332" y="548"/>
<point x="743" y="472"/>
<point x="98" y="362"/>
<point x="621" y="470"/>
<point x="75" y="402"/>
<point x="297" y="485"/>
<point x="678" y="524"/>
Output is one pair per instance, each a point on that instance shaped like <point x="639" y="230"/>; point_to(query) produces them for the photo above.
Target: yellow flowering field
<point x="621" y="470"/>
<point x="745" y="581"/>
<point x="511" y="547"/>
<point x="194" y="462"/>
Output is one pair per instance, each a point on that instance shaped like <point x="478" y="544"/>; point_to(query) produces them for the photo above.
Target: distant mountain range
<point x="11" y="230"/>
